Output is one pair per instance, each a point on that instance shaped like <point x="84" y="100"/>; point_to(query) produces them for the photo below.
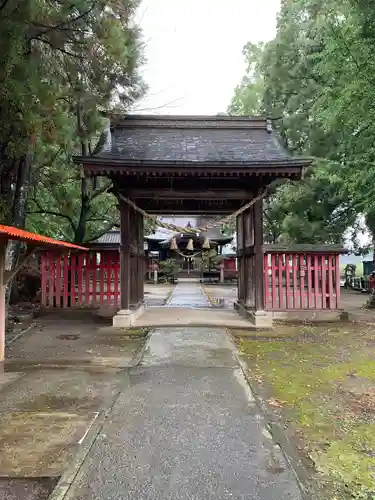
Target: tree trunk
<point x="371" y="300"/>
<point x="18" y="218"/>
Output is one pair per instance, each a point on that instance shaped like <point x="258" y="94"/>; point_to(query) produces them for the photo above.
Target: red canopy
<point x="13" y="233"/>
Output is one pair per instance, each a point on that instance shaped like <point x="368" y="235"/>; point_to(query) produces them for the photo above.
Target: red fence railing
<point x="292" y="280"/>
<point x="80" y="280"/>
<point x="301" y="281"/>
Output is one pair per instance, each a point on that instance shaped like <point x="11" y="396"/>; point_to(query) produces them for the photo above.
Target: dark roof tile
<point x="194" y="140"/>
<point x="110" y="238"/>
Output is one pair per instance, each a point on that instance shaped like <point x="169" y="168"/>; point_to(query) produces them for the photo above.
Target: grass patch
<point x="124" y="333"/>
<point x="321" y="379"/>
<point x="136" y="332"/>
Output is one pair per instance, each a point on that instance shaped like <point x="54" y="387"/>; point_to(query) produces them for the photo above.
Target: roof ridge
<point x="186" y="122"/>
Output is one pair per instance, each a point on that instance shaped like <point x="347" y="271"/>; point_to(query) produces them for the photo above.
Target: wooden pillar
<point x="249" y="258"/>
<point x="124" y="255"/>
<point x="258" y="258"/>
<point x="240" y="259"/>
<point x="133" y="230"/>
<point x="136" y="259"/>
<point x="141" y="259"/>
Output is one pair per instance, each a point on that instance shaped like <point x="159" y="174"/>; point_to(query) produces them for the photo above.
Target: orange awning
<point x="13" y="233"/>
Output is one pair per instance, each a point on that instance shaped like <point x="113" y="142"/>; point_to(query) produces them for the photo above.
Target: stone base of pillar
<point x="262" y="320"/>
<point x="127" y="317"/>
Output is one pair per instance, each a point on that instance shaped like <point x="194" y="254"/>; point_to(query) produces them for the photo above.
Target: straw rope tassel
<point x="206" y="244"/>
<point x="190" y="245"/>
<point x="173" y="244"/>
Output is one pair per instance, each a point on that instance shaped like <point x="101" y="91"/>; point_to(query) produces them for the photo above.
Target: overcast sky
<point x="194" y="50"/>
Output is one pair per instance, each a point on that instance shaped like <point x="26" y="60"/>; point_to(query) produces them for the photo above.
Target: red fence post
<point x="43" y="279"/>
<point x="266" y="281"/>
<point x="288" y="292"/>
<point x="101" y="277"/>
<point x="338" y="283"/>
<point x="80" y="280"/>
<point x="73" y="260"/>
<point x="52" y="279"/>
<point x="65" y="280"/>
<point x="116" y="272"/>
<point x="109" y="278"/>
<point x="310" y="298"/>
<point x="281" y="287"/>
<point x="273" y="281"/>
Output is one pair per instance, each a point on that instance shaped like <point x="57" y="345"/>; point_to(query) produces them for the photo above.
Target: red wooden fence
<point x="80" y="280"/>
<point x="305" y="280"/>
<point x="301" y="281"/>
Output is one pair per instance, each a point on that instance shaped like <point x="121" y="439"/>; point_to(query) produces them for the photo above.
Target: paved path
<point x="188" y="294"/>
<point x="175" y="313"/>
<point x="186" y="428"/>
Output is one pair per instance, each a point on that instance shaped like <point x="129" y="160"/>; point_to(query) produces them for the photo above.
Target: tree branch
<point x="42" y="211"/>
<point x="3" y="4"/>
<point x="69" y="21"/>
<point x="99" y="145"/>
<point x="100" y="191"/>
<point x="55" y="214"/>
<point x="60" y="49"/>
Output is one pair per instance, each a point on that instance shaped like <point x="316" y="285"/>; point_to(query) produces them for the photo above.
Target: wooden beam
<point x="188" y="208"/>
<point x="188" y="211"/>
<point x="176" y="194"/>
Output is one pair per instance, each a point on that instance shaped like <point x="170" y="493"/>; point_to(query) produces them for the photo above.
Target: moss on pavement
<point x="322" y="381"/>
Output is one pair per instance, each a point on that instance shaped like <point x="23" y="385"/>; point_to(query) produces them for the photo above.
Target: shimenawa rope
<point x="195" y="230"/>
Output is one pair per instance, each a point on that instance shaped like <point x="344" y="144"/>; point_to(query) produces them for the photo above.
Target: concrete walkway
<point x="188" y="294"/>
<point x="185" y="428"/>
<point x="188" y="305"/>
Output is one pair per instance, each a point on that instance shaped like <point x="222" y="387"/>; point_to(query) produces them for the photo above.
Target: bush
<point x="170" y="269"/>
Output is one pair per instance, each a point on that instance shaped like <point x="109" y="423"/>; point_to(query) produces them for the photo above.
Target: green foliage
<point x="315" y="79"/>
<point x="209" y="259"/>
<point x="66" y="68"/>
<point x="170" y="268"/>
<point x="247" y="99"/>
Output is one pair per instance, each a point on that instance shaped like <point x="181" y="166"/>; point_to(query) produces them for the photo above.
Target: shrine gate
<point x="192" y="165"/>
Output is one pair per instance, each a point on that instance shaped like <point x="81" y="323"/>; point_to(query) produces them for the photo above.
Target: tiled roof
<point x="110" y="238"/>
<point x="193" y="140"/>
<point x="13" y="233"/>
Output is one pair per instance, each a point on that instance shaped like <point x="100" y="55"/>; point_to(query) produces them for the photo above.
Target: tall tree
<point x="285" y="81"/>
<point x="67" y="66"/>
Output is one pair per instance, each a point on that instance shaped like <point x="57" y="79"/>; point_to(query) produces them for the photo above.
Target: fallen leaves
<point x="277" y="403"/>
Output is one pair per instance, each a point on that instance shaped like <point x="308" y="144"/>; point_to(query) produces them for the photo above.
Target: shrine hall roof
<point x="171" y="140"/>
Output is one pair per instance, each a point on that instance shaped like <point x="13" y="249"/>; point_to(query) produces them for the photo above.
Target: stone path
<point x="186" y="427"/>
<point x="188" y="294"/>
<point x="189" y="306"/>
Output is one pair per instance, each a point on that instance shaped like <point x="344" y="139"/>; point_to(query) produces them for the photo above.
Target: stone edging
<point x="209" y="297"/>
<point x="19" y="334"/>
<point x="137" y="358"/>
<point x="169" y="295"/>
<point x="275" y="427"/>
